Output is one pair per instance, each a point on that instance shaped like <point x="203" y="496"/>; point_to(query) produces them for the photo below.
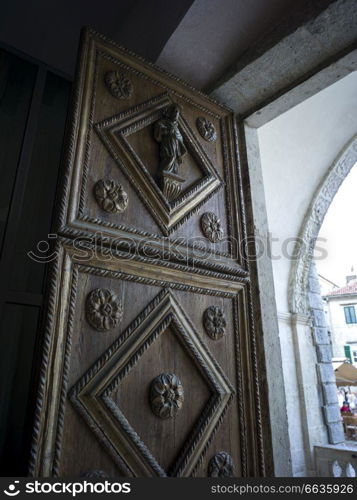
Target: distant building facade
<point x="341" y="308"/>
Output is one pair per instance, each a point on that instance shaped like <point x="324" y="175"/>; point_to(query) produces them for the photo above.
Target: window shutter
<point x="347" y="349"/>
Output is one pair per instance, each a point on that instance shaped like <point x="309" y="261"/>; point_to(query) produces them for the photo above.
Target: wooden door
<point x="150" y="358"/>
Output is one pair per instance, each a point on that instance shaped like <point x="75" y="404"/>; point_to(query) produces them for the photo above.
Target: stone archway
<point x="298" y="299"/>
<point x="305" y="299"/>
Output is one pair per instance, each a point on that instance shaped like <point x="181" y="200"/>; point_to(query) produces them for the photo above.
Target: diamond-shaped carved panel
<point x="129" y="137"/>
<point x="166" y="355"/>
<point x="95" y="395"/>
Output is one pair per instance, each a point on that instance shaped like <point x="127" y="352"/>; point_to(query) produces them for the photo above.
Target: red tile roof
<point x="350" y="289"/>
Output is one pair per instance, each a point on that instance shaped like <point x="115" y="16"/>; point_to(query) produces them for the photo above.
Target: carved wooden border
<point x="40" y="411"/>
<point x="162" y="72"/>
<point x="175" y="259"/>
<point x="240" y="391"/>
<point x="262" y="436"/>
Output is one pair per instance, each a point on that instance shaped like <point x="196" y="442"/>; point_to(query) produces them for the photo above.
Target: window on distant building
<point x="350" y="314"/>
<point x="354" y="356"/>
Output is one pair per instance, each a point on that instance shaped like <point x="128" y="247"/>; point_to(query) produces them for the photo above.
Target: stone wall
<point x="328" y="389"/>
<point x="297" y="103"/>
<point x="289" y="160"/>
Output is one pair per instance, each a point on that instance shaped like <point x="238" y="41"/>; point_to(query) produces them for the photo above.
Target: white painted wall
<point x="296" y="149"/>
<point x="288" y="161"/>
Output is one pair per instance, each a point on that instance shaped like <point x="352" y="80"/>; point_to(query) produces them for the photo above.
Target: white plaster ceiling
<point x="215" y="33"/>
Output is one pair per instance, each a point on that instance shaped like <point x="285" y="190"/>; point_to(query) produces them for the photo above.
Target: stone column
<point x="325" y="370"/>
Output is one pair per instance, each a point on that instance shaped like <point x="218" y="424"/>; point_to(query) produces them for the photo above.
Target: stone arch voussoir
<point x="314" y="217"/>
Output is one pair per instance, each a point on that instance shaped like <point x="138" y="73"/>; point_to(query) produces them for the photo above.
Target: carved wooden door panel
<point x="150" y="359"/>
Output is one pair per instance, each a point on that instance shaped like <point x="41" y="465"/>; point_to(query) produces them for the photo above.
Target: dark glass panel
<point x="17" y="78"/>
<point x="35" y="222"/>
<point x="18" y="327"/>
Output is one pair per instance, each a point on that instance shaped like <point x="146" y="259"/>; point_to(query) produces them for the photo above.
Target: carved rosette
<point x="206" y="129"/>
<point x="211" y="227"/>
<point x="221" y="465"/>
<point x="166" y="395"/>
<point x="104" y="310"/>
<point x="118" y="85"/>
<point x="111" y="196"/>
<point x="214" y="322"/>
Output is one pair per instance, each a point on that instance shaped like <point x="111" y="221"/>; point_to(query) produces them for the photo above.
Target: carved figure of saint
<point x="169" y="137"/>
